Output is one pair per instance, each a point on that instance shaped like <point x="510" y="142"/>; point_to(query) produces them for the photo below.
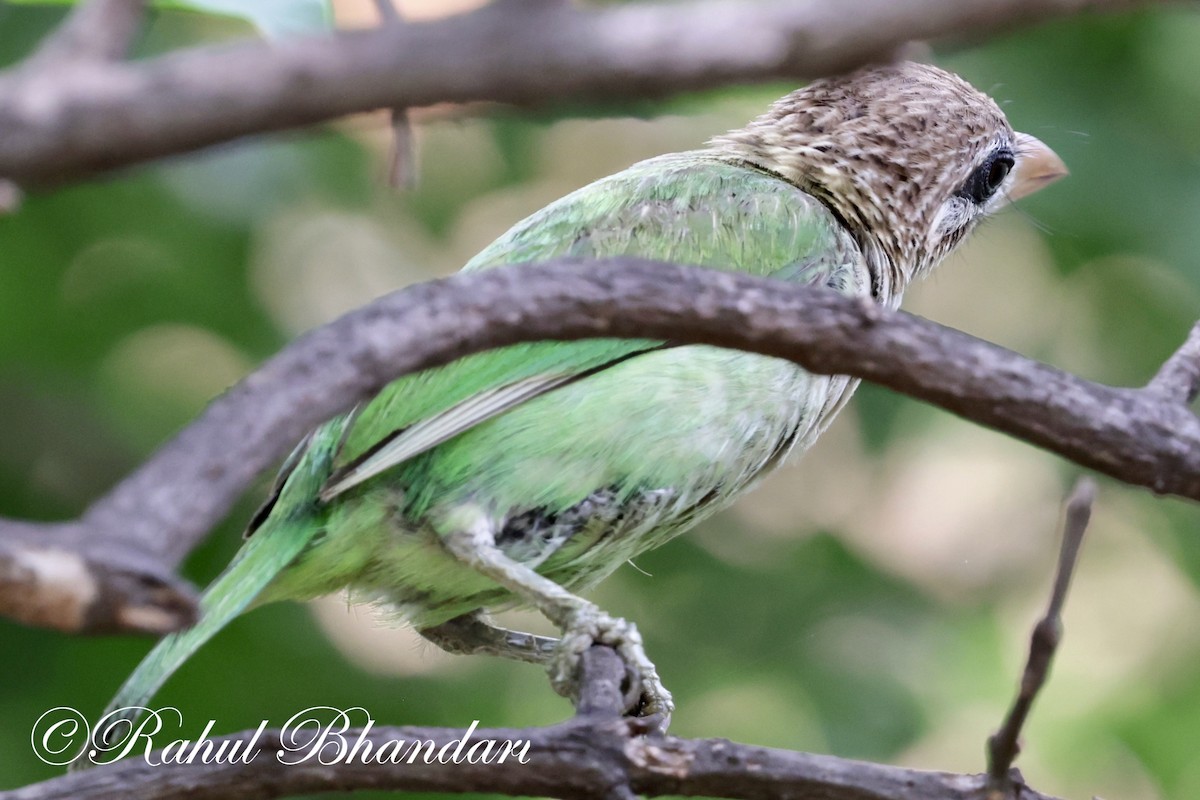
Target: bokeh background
<point x="873" y="600"/>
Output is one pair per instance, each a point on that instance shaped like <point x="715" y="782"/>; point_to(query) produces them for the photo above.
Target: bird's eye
<point x="987" y="177"/>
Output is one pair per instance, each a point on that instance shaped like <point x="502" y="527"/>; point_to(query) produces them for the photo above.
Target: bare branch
<point x="10" y="197"/>
<point x="402" y="168"/>
<point x="95" y="30"/>
<point x="592" y="756"/>
<point x="388" y="13"/>
<point x="166" y="506"/>
<point x="1003" y="745"/>
<point x="1179" y="378"/>
<point x="600" y="692"/>
<point x="583" y="758"/>
<point x="46" y="585"/>
<point x="529" y="54"/>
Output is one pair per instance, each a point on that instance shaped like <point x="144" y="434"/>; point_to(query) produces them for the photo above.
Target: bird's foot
<point x="645" y="694"/>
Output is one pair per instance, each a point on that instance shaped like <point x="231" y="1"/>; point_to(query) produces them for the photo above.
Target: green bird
<point x="529" y="473"/>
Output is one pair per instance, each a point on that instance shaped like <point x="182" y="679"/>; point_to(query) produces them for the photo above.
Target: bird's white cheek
<point x="952" y="215"/>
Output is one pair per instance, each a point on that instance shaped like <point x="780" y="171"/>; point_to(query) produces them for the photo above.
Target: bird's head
<point x="908" y="156"/>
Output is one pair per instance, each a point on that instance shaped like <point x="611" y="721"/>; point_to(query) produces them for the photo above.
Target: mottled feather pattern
<point x="887" y="181"/>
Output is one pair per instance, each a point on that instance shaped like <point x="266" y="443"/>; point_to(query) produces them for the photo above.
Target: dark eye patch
<point x="988" y="176"/>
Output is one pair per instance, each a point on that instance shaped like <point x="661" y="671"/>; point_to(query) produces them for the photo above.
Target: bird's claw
<point x="645" y="696"/>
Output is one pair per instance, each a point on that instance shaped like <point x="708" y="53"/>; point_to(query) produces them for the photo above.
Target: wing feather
<point x="689" y="207"/>
<point x="430" y="432"/>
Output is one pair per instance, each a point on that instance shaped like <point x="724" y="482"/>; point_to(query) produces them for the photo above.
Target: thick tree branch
<point x="583" y="758"/>
<point x="63" y="123"/>
<point x="596" y="755"/>
<point x="164" y="508"/>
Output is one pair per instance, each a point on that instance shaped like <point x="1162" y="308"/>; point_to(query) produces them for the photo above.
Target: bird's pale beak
<point x="1037" y="166"/>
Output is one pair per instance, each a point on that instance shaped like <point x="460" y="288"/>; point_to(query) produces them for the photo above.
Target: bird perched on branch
<point x="528" y="473"/>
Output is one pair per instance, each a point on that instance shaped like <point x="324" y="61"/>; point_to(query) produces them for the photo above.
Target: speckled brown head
<point x="907" y="155"/>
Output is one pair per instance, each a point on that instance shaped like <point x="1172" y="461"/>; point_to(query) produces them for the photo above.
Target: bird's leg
<point x="467" y="533"/>
<point x="472" y="634"/>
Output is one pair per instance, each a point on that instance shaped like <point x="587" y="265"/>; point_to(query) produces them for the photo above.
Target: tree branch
<point x="52" y="576"/>
<point x="583" y="758"/>
<point x="531" y="54"/>
<point x="595" y="755"/>
<point x="1179" y="377"/>
<point x="167" y="505"/>
<point x="402" y="167"/>
<point x="1004" y="745"/>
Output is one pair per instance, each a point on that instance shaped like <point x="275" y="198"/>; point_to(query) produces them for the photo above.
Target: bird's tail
<point x="264" y="556"/>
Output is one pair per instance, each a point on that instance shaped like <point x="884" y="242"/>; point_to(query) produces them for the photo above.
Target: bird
<point x="527" y="474"/>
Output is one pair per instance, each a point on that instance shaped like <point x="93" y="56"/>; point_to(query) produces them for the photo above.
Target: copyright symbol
<point x="58" y="736"/>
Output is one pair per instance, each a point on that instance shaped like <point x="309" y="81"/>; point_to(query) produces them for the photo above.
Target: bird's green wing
<point x="689" y="208"/>
<point x="404" y="443"/>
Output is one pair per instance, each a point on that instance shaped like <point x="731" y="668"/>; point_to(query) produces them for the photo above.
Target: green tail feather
<point x="281" y="531"/>
<point x="267" y="552"/>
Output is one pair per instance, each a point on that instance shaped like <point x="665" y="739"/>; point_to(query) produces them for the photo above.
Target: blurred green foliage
<point x="274" y="18"/>
<point x="871" y="602"/>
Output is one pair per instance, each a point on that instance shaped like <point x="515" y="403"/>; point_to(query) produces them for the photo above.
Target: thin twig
<point x="388" y="13"/>
<point x="403" y="172"/>
<point x="1179" y="377"/>
<point x="11" y="197"/>
<point x="402" y="167"/>
<point x="1004" y="745"/>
